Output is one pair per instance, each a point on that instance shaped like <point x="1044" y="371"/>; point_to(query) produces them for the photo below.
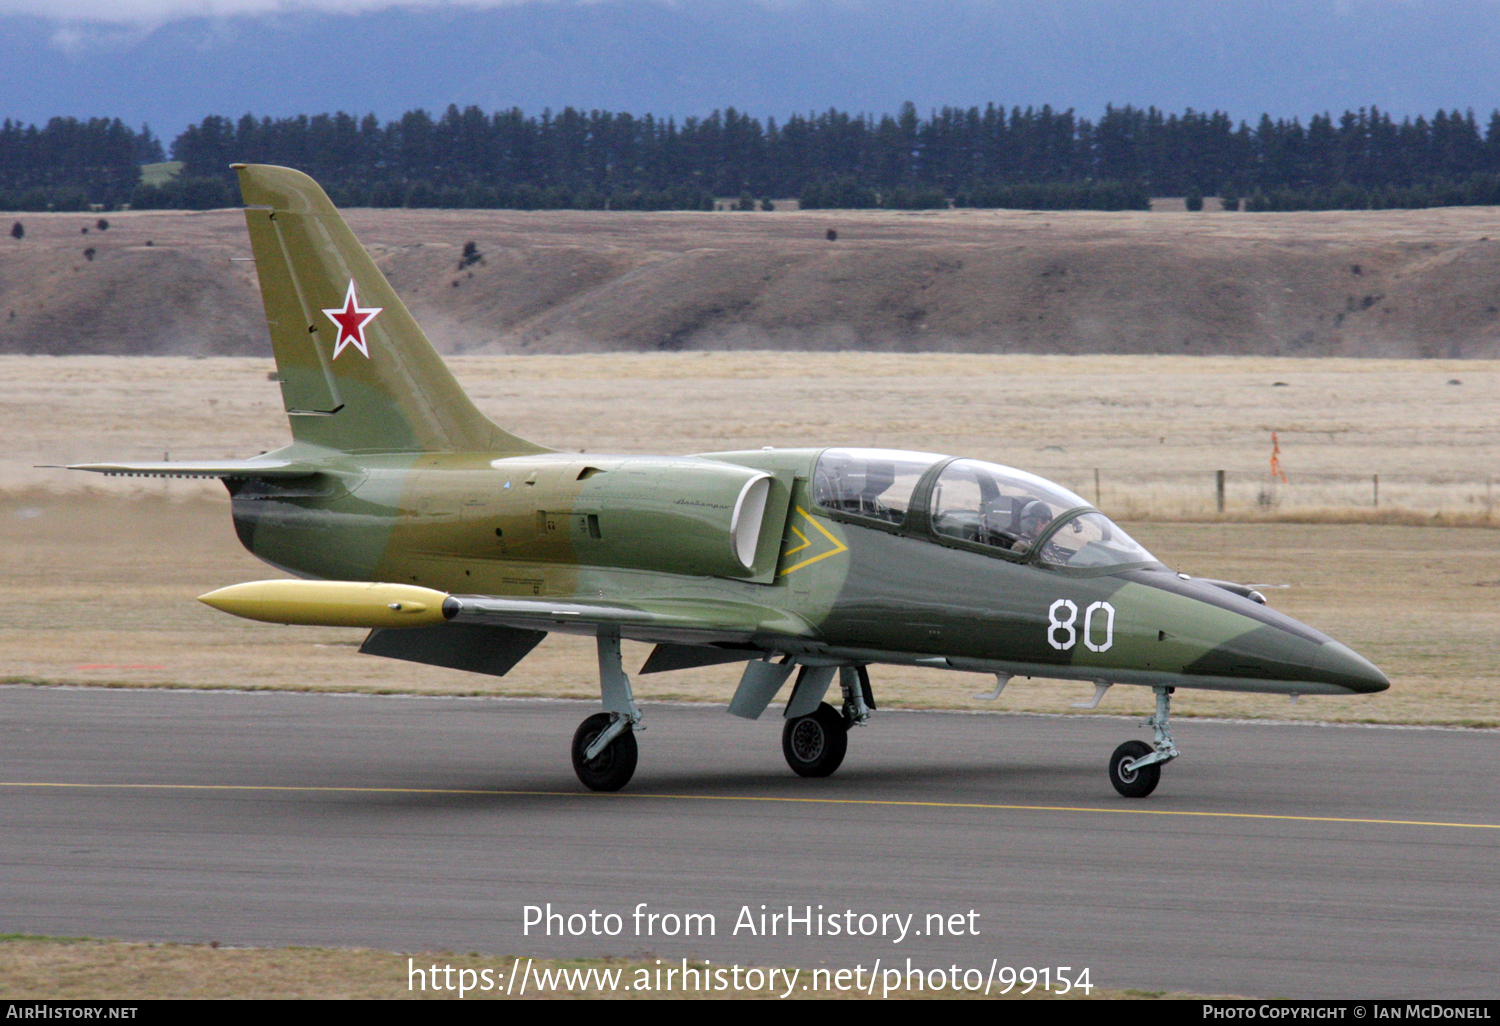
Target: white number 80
<point x="1055" y="624"/>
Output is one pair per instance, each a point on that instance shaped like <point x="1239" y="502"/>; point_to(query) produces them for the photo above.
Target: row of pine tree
<point x="1038" y="158"/>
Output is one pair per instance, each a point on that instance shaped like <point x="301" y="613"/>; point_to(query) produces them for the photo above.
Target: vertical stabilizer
<point x="356" y="372"/>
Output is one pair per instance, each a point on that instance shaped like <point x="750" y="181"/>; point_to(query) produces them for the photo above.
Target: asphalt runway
<point x="1274" y="860"/>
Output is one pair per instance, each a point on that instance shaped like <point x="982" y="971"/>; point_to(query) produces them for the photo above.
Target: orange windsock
<point x="1276" y="459"/>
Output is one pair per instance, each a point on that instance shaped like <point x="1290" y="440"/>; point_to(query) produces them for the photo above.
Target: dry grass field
<point x="1155" y="428"/>
<point x="99" y="575"/>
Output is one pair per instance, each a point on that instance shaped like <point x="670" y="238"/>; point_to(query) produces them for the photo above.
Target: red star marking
<point x="351" y="320"/>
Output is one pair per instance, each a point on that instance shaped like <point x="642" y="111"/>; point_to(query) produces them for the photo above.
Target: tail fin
<point x="357" y="374"/>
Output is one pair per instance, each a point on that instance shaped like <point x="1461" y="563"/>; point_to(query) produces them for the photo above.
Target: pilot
<point x="1034" y="518"/>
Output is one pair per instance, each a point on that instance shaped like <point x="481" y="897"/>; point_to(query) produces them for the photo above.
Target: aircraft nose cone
<point x="1348" y="668"/>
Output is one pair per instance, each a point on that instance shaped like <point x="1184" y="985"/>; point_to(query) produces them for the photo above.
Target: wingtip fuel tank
<point x="331" y="603"/>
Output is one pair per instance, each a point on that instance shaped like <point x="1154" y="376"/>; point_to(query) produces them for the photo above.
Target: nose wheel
<point x="1128" y="780"/>
<point x="608" y="766"/>
<point x="1135" y="767"/>
<point x="604" y="750"/>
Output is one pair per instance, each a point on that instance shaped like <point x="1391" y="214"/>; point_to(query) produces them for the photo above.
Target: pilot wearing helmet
<point x="1034" y="518"/>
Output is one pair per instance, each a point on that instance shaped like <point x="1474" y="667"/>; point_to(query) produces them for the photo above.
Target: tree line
<point x="70" y="163"/>
<point x="990" y="156"/>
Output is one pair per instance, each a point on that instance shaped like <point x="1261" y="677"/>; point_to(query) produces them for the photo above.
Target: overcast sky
<point x="171" y="62"/>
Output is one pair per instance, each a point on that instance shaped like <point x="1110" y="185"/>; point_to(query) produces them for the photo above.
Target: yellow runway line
<point x="482" y="792"/>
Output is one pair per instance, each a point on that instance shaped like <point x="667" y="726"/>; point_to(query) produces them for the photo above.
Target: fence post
<point x="1219" y="487"/>
<point x="1376" y="480"/>
<point x="1097" y="503"/>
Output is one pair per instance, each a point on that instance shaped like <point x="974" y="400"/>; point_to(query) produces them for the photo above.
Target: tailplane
<point x="357" y="374"/>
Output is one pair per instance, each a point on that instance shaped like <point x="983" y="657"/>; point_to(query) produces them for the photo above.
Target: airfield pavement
<point x="1274" y="860"/>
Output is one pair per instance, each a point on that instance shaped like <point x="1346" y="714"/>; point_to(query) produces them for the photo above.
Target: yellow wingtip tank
<point x="331" y="603"/>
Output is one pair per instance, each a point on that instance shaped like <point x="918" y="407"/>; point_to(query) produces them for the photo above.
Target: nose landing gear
<point x="604" y="749"/>
<point x="1135" y="767"/>
<point x="613" y="762"/>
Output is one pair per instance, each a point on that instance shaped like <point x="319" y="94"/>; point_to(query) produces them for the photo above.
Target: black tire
<point x="612" y="768"/>
<point x="1137" y="783"/>
<point x="814" y="745"/>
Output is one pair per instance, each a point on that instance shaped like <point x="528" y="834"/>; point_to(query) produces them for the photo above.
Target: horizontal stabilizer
<point x="202" y="468"/>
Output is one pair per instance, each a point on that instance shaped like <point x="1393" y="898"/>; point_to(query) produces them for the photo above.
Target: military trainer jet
<point x="401" y="508"/>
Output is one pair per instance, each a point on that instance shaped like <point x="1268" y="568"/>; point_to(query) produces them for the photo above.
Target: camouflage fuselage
<point x="652" y="532"/>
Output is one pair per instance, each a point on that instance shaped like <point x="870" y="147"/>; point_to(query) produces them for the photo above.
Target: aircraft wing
<point x="689" y="621"/>
<point x="683" y="621"/>
<point x="202" y="468"/>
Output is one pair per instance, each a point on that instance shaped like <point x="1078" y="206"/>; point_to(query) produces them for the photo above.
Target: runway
<point x="1274" y="860"/>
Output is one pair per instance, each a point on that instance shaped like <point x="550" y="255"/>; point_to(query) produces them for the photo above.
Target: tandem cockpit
<point x="973" y="505"/>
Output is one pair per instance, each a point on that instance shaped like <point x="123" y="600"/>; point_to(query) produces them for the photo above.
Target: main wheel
<point x="814" y="745"/>
<point x="612" y="768"/>
<point x="1133" y="783"/>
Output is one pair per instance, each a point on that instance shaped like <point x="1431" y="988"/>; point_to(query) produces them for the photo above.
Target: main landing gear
<point x="814" y="740"/>
<point x="604" y="750"/>
<point x="1135" y="767"/>
<point x="815" y="743"/>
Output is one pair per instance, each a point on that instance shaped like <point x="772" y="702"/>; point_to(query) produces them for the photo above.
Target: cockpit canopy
<point x="984" y="504"/>
<point x="875" y="483"/>
<point x="995" y="505"/>
<point x="1091" y="541"/>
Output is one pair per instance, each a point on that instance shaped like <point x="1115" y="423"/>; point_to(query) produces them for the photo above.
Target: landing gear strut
<point x="604" y="749"/>
<point x="1135" y="767"/>
<point x="859" y="700"/>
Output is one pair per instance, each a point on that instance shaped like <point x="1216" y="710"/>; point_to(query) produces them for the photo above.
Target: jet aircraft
<point x="399" y="507"/>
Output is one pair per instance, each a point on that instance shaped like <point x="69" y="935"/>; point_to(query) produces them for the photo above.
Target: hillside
<point x="1423" y="283"/>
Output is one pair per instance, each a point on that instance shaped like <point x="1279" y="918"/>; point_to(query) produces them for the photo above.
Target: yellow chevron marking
<point x="838" y="546"/>
<point x="799" y="548"/>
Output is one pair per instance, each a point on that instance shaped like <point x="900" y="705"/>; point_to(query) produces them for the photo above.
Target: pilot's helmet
<point x="1035" y="517"/>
